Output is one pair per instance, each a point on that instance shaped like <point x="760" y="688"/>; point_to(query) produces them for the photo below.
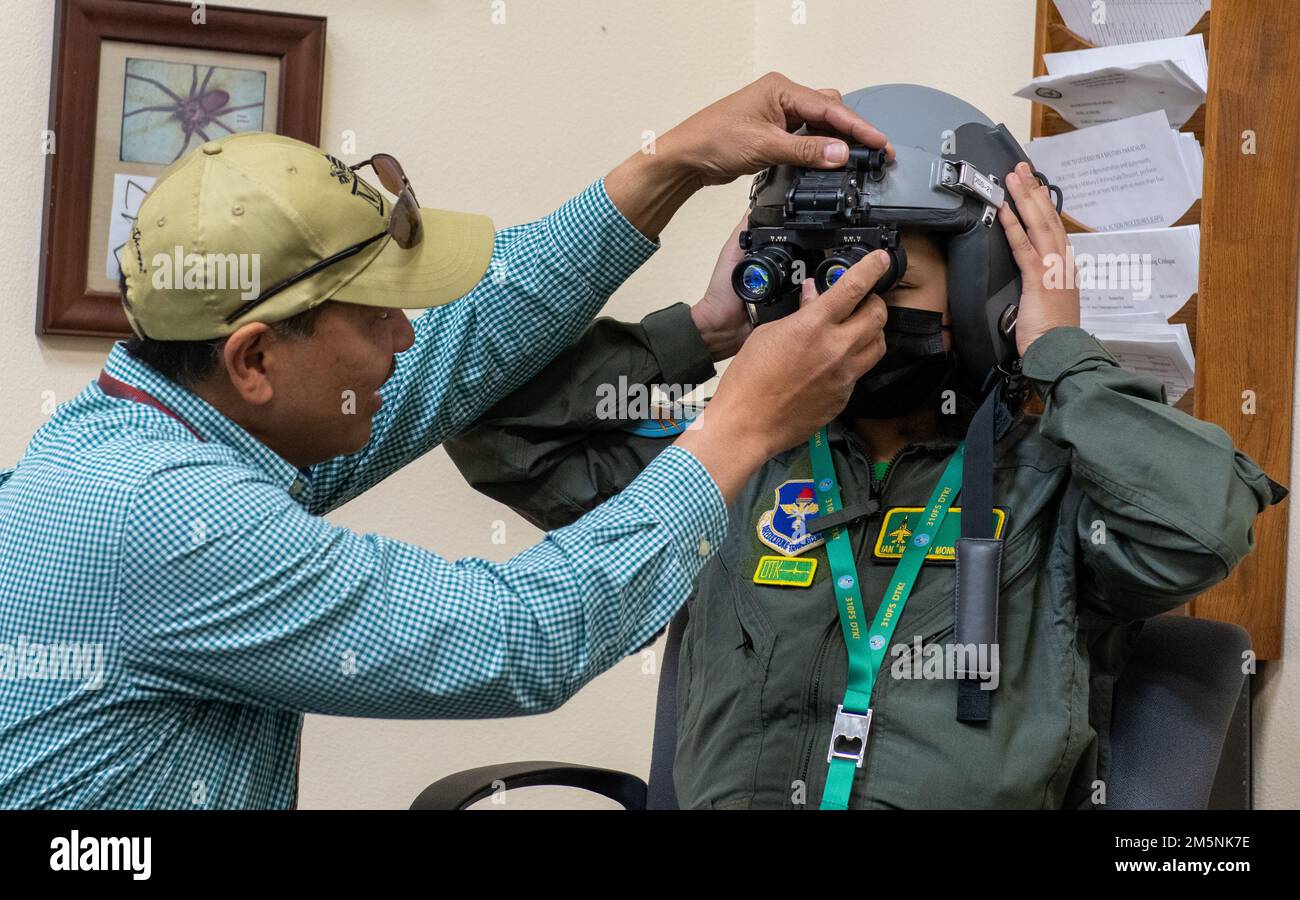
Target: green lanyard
<point x="867" y="649"/>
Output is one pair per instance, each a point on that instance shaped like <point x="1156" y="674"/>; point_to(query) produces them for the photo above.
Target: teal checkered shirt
<point x="171" y="606"/>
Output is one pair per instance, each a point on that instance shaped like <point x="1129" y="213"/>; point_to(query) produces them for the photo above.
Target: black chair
<point x="1180" y="731"/>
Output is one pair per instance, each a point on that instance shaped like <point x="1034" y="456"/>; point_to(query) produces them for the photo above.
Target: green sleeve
<point x="1166" y="503"/>
<point x="547" y="451"/>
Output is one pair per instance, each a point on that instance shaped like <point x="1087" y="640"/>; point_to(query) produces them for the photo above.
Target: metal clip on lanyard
<point x="866" y="649"/>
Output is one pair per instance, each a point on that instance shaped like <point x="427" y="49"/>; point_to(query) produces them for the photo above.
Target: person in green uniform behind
<point x="1112" y="507"/>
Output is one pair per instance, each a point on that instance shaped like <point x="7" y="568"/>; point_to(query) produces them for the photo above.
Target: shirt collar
<point x="206" y="419"/>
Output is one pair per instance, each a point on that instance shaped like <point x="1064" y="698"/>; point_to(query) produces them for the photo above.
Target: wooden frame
<point x="1250" y="235"/>
<point x="1241" y="321"/>
<point x="67" y="305"/>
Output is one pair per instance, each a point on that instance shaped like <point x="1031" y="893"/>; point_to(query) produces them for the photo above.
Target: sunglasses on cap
<point x="404" y="223"/>
<point x="405" y="226"/>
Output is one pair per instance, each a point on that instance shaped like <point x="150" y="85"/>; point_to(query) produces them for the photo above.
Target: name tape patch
<point x="900" y="522"/>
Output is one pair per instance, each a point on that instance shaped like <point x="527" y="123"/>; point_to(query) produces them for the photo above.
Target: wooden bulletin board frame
<point x="1242" y="320"/>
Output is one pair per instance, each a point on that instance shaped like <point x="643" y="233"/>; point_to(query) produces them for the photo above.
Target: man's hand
<point x="750" y="130"/>
<point x="719" y="315"/>
<point x="741" y="134"/>
<point x="1043" y="254"/>
<point x="792" y="377"/>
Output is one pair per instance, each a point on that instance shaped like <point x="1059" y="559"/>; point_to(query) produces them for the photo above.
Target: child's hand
<point x="1044" y="256"/>
<point x="719" y="315"/>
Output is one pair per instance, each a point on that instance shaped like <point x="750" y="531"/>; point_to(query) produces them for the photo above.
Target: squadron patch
<point x="900" y="522"/>
<point x="662" y="424"/>
<point x="784" y="527"/>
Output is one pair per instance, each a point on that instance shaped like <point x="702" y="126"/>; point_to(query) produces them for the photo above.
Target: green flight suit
<point x="1118" y="507"/>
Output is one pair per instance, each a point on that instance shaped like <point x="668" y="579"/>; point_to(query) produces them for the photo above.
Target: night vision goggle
<point x="946" y="177"/>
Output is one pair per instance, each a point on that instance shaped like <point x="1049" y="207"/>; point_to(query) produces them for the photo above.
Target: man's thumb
<point x="809" y="150"/>
<point x="808" y="293"/>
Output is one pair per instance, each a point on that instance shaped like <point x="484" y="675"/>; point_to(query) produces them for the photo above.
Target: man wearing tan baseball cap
<point x="165" y="530"/>
<point x="316" y="230"/>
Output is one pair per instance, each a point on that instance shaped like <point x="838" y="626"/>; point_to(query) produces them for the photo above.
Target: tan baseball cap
<point x="240" y="215"/>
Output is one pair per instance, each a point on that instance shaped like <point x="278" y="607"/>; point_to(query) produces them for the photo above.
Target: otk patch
<point x="785" y="571"/>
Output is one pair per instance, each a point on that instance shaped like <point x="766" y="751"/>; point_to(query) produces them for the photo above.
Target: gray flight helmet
<point x="983" y="278"/>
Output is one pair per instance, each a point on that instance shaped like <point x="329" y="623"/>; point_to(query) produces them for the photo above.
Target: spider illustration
<point x="198" y="112"/>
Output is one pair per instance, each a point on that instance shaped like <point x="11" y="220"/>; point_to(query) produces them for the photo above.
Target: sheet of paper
<point x="1122" y="320"/>
<point x="1126" y="21"/>
<point x="1118" y="92"/>
<point x="128" y="191"/>
<point x="1193" y="160"/>
<point x="1164" y="354"/>
<point x="1152" y="269"/>
<point x="1186" y="52"/>
<point x="1163" y="361"/>
<point x="1170" y="332"/>
<point x="1125" y="174"/>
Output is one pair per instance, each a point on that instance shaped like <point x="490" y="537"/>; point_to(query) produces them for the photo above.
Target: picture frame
<point x="136" y="84"/>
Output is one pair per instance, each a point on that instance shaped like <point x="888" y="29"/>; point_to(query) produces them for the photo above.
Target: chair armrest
<point x="462" y="789"/>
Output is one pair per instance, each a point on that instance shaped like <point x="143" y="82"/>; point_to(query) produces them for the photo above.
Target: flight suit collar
<point x="842" y="434"/>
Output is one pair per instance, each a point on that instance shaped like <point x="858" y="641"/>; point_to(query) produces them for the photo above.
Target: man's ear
<point x="244" y="356"/>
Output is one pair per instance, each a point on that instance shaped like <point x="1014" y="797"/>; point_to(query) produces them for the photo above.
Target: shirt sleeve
<point x="545" y="282"/>
<point x="1164" y="502"/>
<point x="259" y="602"/>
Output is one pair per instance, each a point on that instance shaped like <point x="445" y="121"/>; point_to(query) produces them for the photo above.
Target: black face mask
<point x="914" y="365"/>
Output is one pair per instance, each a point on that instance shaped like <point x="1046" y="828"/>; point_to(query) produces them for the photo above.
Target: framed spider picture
<point x="136" y="85"/>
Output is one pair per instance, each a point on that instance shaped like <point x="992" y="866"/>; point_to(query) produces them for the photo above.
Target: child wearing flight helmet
<point x="825" y="659"/>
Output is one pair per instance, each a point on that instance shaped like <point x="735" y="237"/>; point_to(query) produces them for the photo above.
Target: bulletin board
<point x="1241" y="321"/>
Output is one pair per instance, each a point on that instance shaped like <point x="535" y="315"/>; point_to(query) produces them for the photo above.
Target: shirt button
<point x="296" y="488"/>
<point x="705" y="547"/>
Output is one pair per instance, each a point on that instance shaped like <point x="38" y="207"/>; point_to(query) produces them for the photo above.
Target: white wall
<point x="510" y="120"/>
<point x="1276" y="689"/>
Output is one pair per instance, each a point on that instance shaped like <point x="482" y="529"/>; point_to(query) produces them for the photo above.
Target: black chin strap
<point x="979" y="562"/>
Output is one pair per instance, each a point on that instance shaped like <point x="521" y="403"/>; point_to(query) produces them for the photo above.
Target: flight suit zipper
<point x="819" y="664"/>
<point x="889" y="471"/>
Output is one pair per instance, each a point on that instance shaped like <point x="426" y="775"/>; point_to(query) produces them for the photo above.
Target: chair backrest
<point x="662" y="794"/>
<point x="1173" y="705"/>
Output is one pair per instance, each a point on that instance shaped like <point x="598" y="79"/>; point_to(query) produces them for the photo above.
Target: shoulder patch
<point x="663" y="425"/>
<point x="784" y="527"/>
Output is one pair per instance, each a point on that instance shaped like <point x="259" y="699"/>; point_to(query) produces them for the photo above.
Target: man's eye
<point x="386" y="314"/>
